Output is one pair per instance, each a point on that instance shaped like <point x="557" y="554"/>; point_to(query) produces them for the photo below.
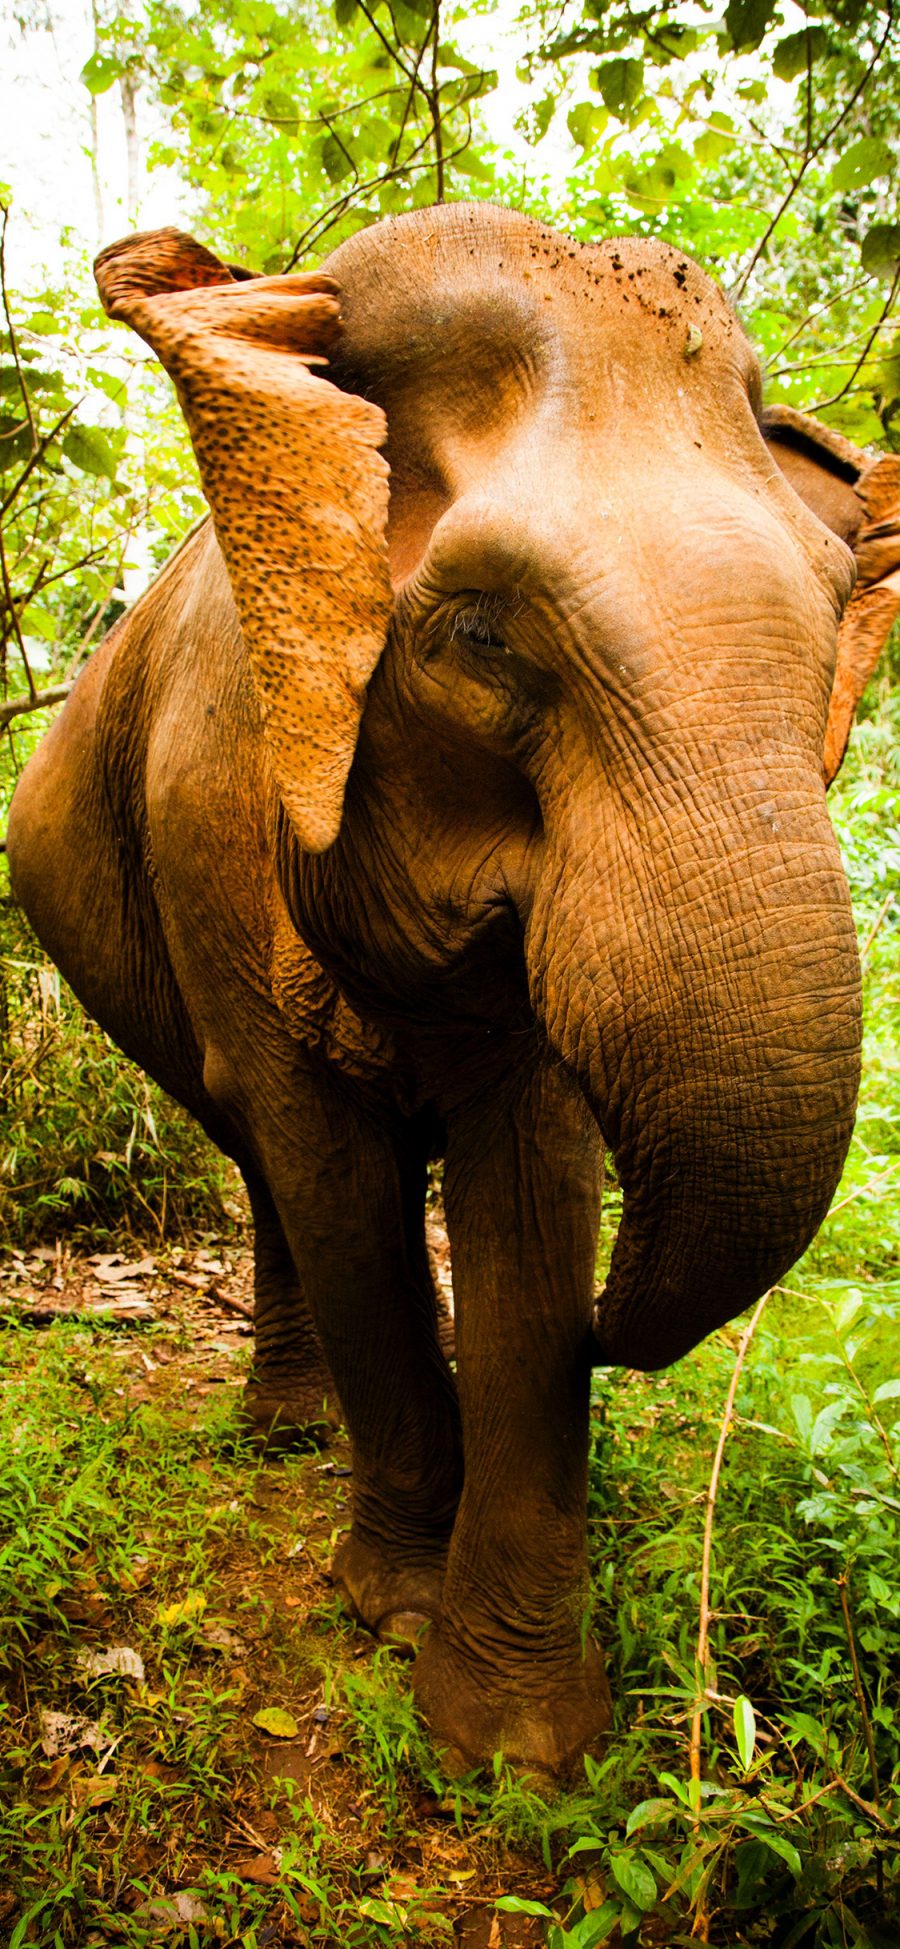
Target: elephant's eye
<point x="477" y="626"/>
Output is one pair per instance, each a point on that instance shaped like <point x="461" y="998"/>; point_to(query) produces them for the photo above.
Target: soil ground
<point x="398" y="1859"/>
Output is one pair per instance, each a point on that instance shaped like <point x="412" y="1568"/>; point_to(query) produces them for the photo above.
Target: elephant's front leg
<point x="350" y="1192"/>
<point x="512" y="1666"/>
<point x="290" y="1398"/>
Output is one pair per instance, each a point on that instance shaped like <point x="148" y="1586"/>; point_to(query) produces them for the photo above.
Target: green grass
<point x="89" y="1146"/>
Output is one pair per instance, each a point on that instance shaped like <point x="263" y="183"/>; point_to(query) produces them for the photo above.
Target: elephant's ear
<point x="859" y="497"/>
<point x="297" y="488"/>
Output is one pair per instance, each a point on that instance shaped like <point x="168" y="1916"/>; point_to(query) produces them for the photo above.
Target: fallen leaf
<point x="117" y="1661"/>
<point x="258" y="1868"/>
<point x="273" y="1719"/>
<point x="48" y="1777"/>
<point x="217" y="1637"/>
<point x="95" y="1790"/>
<point x="175" y="1910"/>
<point x="69" y="1732"/>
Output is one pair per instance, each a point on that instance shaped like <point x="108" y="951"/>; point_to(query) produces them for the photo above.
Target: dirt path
<point x="166" y="1805"/>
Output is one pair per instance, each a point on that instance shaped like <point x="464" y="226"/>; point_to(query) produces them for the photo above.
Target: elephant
<point x="458" y="791"/>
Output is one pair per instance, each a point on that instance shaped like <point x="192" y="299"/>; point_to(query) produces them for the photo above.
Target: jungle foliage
<point x="763" y="140"/>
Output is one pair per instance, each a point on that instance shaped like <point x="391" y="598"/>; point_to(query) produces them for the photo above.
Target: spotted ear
<point x="297" y="488"/>
<point x="859" y="498"/>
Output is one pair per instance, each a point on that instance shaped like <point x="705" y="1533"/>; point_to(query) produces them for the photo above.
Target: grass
<point x="89" y="1147"/>
<point x="134" y="1526"/>
<point x="128" y="1519"/>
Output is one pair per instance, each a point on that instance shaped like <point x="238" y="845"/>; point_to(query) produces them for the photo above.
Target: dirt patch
<point x="189" y="1811"/>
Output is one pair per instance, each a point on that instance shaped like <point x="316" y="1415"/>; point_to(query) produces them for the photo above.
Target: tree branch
<point x="38" y="701"/>
<point x="13" y="341"/>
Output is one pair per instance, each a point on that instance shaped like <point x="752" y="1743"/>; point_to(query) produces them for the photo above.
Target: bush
<point x="87" y="1143"/>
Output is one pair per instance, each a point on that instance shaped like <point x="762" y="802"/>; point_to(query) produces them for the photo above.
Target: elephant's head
<point x="611" y="624"/>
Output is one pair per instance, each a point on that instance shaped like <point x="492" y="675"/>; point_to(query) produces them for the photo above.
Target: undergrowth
<point x="88" y="1145"/>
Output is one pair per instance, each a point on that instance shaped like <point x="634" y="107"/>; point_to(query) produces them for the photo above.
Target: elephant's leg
<point x="512" y="1666"/>
<point x="290" y="1397"/>
<point x="402" y="1412"/>
<point x="349" y="1193"/>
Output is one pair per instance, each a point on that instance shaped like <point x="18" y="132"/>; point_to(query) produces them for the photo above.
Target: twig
<point x="828" y="305"/>
<point x="865" y="1806"/>
<point x="434" y="103"/>
<point x="809" y="156"/>
<point x="38" y="701"/>
<point x="842" y="1584"/>
<point x="231" y="1305"/>
<point x="38" y="455"/>
<point x="14" y="619"/>
<point x="882" y="913"/>
<point x="883" y="315"/>
<point x="13" y="341"/>
<point x="703" y="1630"/>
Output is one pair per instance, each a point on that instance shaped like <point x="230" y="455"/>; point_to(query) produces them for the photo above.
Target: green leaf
<point x="620" y="83"/>
<point x="824" y="1425"/>
<point x="274" y="1720"/>
<point x="633" y="1877"/>
<point x="679" y="1787"/>
<point x="335" y="160"/>
<point x="865" y="160"/>
<point x="746" y="22"/>
<point x="778" y="1843"/>
<point x="745" y="1730"/>
<point x="801" y="1409"/>
<point x="796" y="52"/>
<point x="717" y="138"/>
<point x="89" y="449"/>
<point x="100" y="71"/>
<point x="888" y="1391"/>
<point x="344" y="11"/>
<point x="516" y="1905"/>
<point x="593" y="1929"/>
<point x="39" y="622"/>
<point x="649" y="1813"/>
<point x="281" y="109"/>
<point x="586" y="123"/>
<point x="751" y="1860"/>
<point x="409" y="22"/>
<point x="881" y="251"/>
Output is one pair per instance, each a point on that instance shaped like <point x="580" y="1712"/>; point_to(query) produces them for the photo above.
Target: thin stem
<point x="809" y="156"/>
<point x="842" y="1584"/>
<point x="435" y="106"/>
<point x="37" y="456"/>
<point x="13" y="341"/>
<point x="817" y="311"/>
<point x="712" y="1491"/>
<point x="14" y="617"/>
<point x="876" y="328"/>
<point x="881" y="915"/>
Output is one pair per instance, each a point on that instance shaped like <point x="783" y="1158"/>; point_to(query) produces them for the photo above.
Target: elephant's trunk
<point x="704" y="986"/>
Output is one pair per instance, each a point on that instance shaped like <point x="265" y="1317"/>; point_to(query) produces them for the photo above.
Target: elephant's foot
<point x="289" y="1413"/>
<point x="539" y="1721"/>
<point x="396" y="1601"/>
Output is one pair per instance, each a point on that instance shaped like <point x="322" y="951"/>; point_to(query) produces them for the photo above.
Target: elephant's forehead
<point x="469" y="308"/>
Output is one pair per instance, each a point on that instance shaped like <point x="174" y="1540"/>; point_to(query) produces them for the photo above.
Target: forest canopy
<point x="763" y="141"/>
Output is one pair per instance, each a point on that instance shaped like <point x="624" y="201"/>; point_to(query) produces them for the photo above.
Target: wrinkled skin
<point x="584" y="889"/>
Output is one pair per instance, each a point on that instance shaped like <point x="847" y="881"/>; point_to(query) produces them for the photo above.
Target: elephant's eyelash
<point x="479" y="622"/>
